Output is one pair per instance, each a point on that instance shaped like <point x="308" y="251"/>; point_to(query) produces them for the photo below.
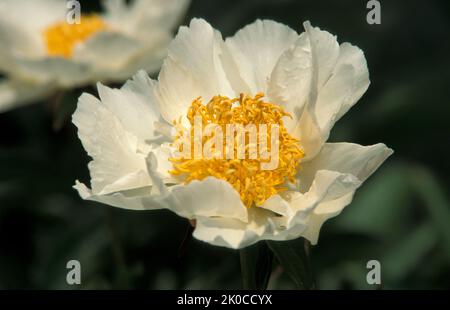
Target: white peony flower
<point x="42" y="53"/>
<point x="129" y="133"/>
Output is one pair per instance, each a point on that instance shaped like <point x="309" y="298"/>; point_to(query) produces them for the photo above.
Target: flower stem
<point x="256" y="266"/>
<point x="294" y="257"/>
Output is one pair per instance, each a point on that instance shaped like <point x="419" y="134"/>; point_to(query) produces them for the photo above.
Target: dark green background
<point x="401" y="216"/>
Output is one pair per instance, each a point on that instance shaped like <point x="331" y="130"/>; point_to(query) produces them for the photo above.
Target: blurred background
<point x="401" y="216"/>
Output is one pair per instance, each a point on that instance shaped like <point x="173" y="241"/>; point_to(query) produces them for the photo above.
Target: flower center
<point x="257" y="135"/>
<point x="62" y="37"/>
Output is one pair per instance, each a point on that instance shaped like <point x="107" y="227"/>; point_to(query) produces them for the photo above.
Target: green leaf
<point x="293" y="256"/>
<point x="407" y="256"/>
<point x="432" y="193"/>
<point x="256" y="266"/>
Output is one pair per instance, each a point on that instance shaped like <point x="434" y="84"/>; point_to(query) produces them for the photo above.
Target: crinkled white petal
<point x="360" y="161"/>
<point x="115" y="133"/>
<point x="327" y="186"/>
<point x="263" y="224"/>
<point x="219" y="199"/>
<point x="348" y="82"/>
<point x="297" y="80"/>
<point x="209" y="197"/>
<point x="153" y="195"/>
<point x="133" y="106"/>
<point x="310" y="134"/>
<point x="356" y="160"/>
<point x="233" y="233"/>
<point x="325" y="51"/>
<point x="290" y="80"/>
<point x="116" y="163"/>
<point x="192" y="69"/>
<point x="255" y="49"/>
<point x="317" y="81"/>
<point x="323" y="212"/>
<point x="128" y="199"/>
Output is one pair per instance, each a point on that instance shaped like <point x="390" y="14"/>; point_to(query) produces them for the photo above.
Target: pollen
<point x="62" y="37"/>
<point x="254" y="184"/>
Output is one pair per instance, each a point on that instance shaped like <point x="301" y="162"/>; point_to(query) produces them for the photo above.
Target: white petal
<point x="133" y="106"/>
<point x="191" y="69"/>
<point x="116" y="164"/>
<point x="153" y="195"/>
<point x="210" y="197"/>
<point x="328" y="194"/>
<point x="290" y="81"/>
<point x="161" y="163"/>
<point x="353" y="56"/>
<point x="345" y="159"/>
<point x="338" y="78"/>
<point x="325" y="52"/>
<point x="233" y="233"/>
<point x="323" y="212"/>
<point x="310" y="134"/>
<point x="342" y="77"/>
<point x="349" y="81"/>
<point x="255" y="50"/>
<point x="265" y="225"/>
<point x="14" y="94"/>
<point x="298" y="79"/>
<point x="132" y="199"/>
<point x="360" y="161"/>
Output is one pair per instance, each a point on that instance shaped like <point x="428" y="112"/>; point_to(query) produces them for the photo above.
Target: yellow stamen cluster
<point x="62" y="37"/>
<point x="246" y="176"/>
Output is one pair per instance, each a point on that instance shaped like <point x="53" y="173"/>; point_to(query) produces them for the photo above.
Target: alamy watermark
<point x="73" y="15"/>
<point x="374" y="15"/>
<point x="193" y="147"/>
<point x="373" y="277"/>
<point x="74" y="274"/>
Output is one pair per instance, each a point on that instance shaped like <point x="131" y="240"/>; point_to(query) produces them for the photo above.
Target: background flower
<point x="41" y="53"/>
